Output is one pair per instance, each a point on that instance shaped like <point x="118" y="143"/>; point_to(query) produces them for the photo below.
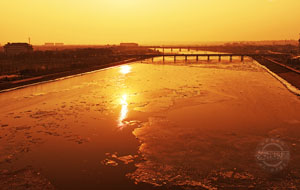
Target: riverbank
<point x="25" y="69"/>
<point x="6" y="86"/>
<point x="290" y="75"/>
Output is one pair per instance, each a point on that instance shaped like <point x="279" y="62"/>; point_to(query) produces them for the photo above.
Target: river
<point x="149" y="125"/>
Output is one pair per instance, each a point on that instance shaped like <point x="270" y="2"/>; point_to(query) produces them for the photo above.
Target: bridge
<point x="188" y="48"/>
<point x="208" y="55"/>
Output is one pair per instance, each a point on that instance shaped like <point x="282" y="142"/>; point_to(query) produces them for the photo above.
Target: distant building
<point x="49" y="44"/>
<point x="129" y="44"/>
<point x="17" y="48"/>
<point x="59" y="44"/>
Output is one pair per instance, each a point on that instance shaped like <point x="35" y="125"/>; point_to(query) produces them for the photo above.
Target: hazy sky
<point x="147" y="21"/>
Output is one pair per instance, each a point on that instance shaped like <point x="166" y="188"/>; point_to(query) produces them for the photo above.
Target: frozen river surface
<point x="147" y="125"/>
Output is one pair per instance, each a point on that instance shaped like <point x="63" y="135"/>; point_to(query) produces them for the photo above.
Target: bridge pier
<point x="208" y="58"/>
<point x="180" y="49"/>
<point x="163" y="58"/>
<point x="231" y="58"/>
<point x="220" y="58"/>
<point x="186" y="58"/>
<point x="242" y="58"/>
<point x="197" y="58"/>
<point x="171" y="49"/>
<point x="152" y="59"/>
<point x="175" y="59"/>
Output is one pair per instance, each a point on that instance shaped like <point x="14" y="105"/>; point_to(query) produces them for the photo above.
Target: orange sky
<point x="147" y="21"/>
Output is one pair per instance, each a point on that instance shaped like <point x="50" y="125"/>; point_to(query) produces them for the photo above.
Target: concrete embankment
<point x="291" y="76"/>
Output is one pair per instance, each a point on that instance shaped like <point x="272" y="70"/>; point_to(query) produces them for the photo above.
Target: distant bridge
<point x="182" y="47"/>
<point x="188" y="48"/>
<point x="208" y="55"/>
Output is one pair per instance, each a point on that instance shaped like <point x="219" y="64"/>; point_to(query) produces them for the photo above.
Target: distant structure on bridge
<point x="129" y="44"/>
<point x="59" y="44"/>
<point x="51" y="44"/>
<point x="17" y="48"/>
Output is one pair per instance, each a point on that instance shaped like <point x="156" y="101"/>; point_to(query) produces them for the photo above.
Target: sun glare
<point x="125" y="69"/>
<point x="124" y="109"/>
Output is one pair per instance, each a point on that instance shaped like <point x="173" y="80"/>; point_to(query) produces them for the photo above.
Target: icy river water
<point x="149" y="126"/>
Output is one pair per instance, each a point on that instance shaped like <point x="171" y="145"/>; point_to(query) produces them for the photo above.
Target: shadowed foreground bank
<point x="291" y="76"/>
<point x="175" y="126"/>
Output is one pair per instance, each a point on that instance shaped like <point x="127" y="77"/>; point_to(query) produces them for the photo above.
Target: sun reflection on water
<point x="125" y="69"/>
<point x="124" y="109"/>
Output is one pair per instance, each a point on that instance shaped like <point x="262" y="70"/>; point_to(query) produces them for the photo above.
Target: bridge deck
<point x="203" y="55"/>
